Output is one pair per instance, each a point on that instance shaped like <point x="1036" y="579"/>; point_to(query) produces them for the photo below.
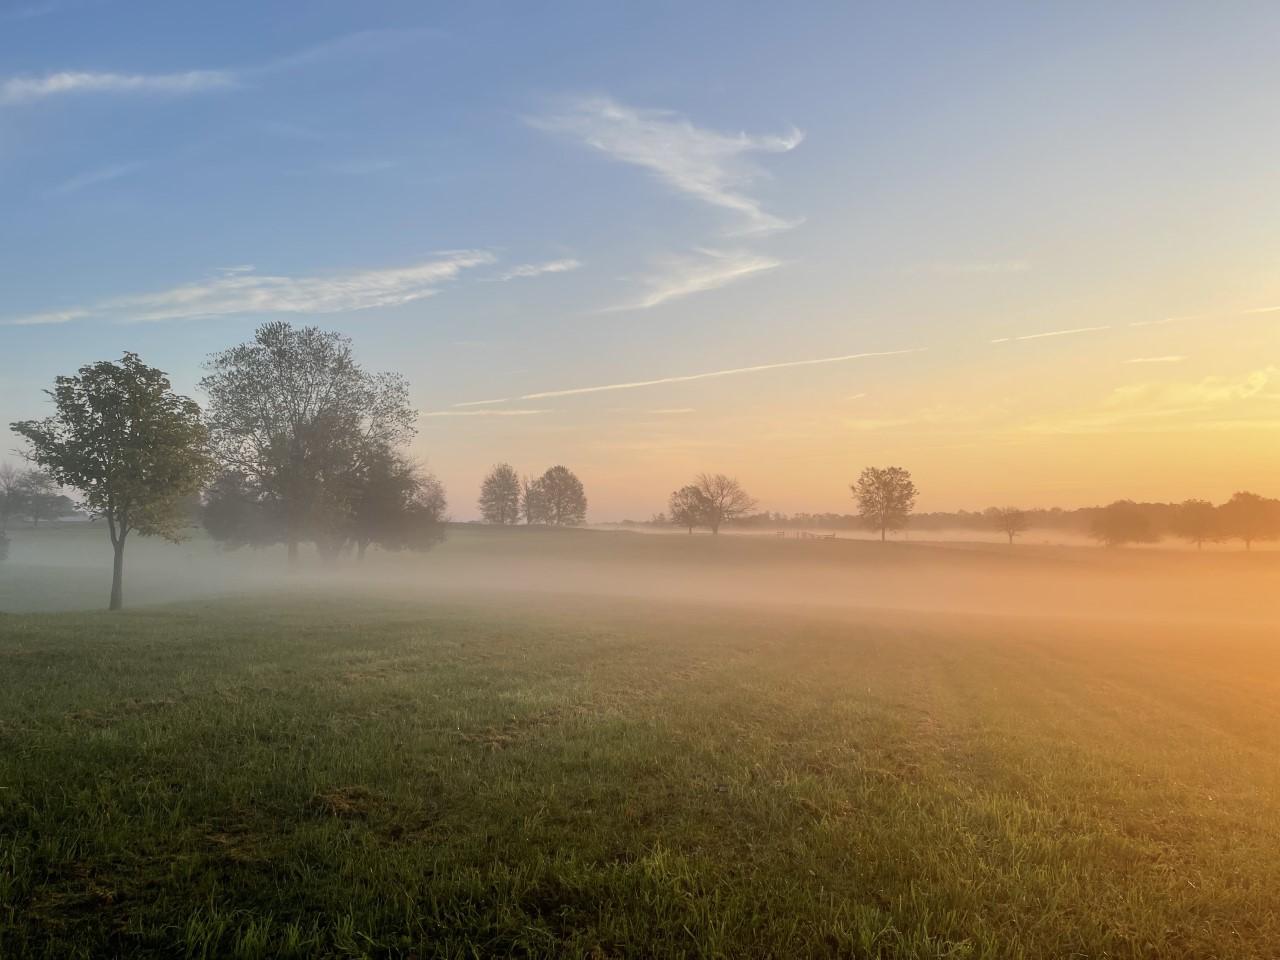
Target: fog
<point x="68" y="568"/>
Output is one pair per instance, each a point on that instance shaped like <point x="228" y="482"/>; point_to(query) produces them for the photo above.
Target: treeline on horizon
<point x="1246" y="516"/>
<point x="299" y="444"/>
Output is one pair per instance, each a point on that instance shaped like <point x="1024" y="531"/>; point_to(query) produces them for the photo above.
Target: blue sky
<point x="509" y="202"/>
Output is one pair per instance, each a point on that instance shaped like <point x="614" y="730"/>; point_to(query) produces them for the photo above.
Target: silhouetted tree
<point x="564" y="503"/>
<point x="1196" y="521"/>
<point x="533" y="500"/>
<point x="296" y="418"/>
<point x="1010" y="521"/>
<point x="44" y="500"/>
<point x="688" y="507"/>
<point x="1122" y="522"/>
<point x="1249" y="517"/>
<point x="723" y="499"/>
<point x="237" y="513"/>
<point x="129" y="444"/>
<point x="397" y="506"/>
<point x="13" y="494"/>
<point x="500" y="495"/>
<point x="886" y="497"/>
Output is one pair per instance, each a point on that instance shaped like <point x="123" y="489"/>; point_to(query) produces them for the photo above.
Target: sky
<point x="1030" y="252"/>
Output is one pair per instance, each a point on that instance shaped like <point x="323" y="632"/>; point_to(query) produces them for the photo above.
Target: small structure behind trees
<point x="885" y="496"/>
<point x="131" y="446"/>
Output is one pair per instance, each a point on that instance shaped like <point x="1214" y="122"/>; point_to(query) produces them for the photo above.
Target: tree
<point x="533" y="500"/>
<point x="1122" y="522"/>
<point x="723" y="499"/>
<point x="1249" y="517"/>
<point x="563" y="501"/>
<point x="295" y="417"/>
<point x="397" y="506"/>
<point x="886" y="497"/>
<point x="44" y="500"/>
<point x="500" y="495"/>
<point x="13" y="494"/>
<point x="1196" y="521"/>
<point x="688" y="507"/>
<point x="131" y="446"/>
<point x="1010" y="521"/>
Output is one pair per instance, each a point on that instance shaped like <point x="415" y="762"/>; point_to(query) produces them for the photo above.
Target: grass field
<point x="314" y="777"/>
<point x="348" y="773"/>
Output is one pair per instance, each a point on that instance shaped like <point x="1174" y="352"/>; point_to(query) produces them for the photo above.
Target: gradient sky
<point x="1036" y="248"/>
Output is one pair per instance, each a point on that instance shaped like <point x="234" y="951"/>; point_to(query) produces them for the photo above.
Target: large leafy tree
<point x="688" y="507"/>
<point x="1197" y="521"/>
<point x="500" y="495"/>
<point x="886" y="496"/>
<point x="1249" y="517"/>
<point x="1122" y="522"/>
<point x="721" y="499"/>
<point x="396" y="505"/>
<point x="132" y="447"/>
<point x="297" y="422"/>
<point x="562" y="498"/>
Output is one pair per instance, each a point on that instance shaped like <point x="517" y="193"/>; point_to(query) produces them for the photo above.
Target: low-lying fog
<point x="68" y="568"/>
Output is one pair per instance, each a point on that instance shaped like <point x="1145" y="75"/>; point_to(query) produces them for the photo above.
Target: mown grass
<point x="333" y="776"/>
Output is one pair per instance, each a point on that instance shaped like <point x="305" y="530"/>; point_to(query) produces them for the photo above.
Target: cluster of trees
<point x="30" y="496"/>
<point x="556" y="498"/>
<point x="710" y="501"/>
<point x="1247" y="517"/>
<point x="299" y="444"/>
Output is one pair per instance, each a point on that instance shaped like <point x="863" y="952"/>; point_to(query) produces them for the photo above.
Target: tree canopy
<point x="723" y="499"/>
<point x="1122" y="522"/>
<point x="132" y="447"/>
<point x="885" y="496"/>
<point x="297" y="426"/>
<point x="500" y="495"/>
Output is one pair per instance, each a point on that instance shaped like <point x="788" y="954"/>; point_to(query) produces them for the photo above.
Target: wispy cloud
<point x="1264" y="310"/>
<point x="1050" y="333"/>
<point x="525" y="270"/>
<point x="689" y="377"/>
<point x="709" y="270"/>
<point x="242" y="292"/>
<point x="483" y="413"/>
<point x="1245" y="401"/>
<point x="856" y="396"/>
<point x="92" y="177"/>
<point x="46" y="319"/>
<point x="1172" y="358"/>
<point x="21" y="90"/>
<point x="706" y="164"/>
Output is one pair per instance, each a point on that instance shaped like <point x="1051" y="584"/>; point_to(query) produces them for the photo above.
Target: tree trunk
<point x="361" y="547"/>
<point x="117" y="577"/>
<point x="1011" y="539"/>
<point x="884" y="533"/>
<point x="293" y="554"/>
<point x="715" y="528"/>
<point x="691" y="531"/>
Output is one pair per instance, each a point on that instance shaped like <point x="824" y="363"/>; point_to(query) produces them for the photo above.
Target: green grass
<point x="324" y="776"/>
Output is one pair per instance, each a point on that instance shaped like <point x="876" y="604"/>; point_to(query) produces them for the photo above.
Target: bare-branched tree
<point x="723" y="499"/>
<point x="886" y="496"/>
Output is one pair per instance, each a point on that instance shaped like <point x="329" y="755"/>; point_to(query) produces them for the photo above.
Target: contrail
<point x="632" y="385"/>
<point x="1051" y="333"/>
